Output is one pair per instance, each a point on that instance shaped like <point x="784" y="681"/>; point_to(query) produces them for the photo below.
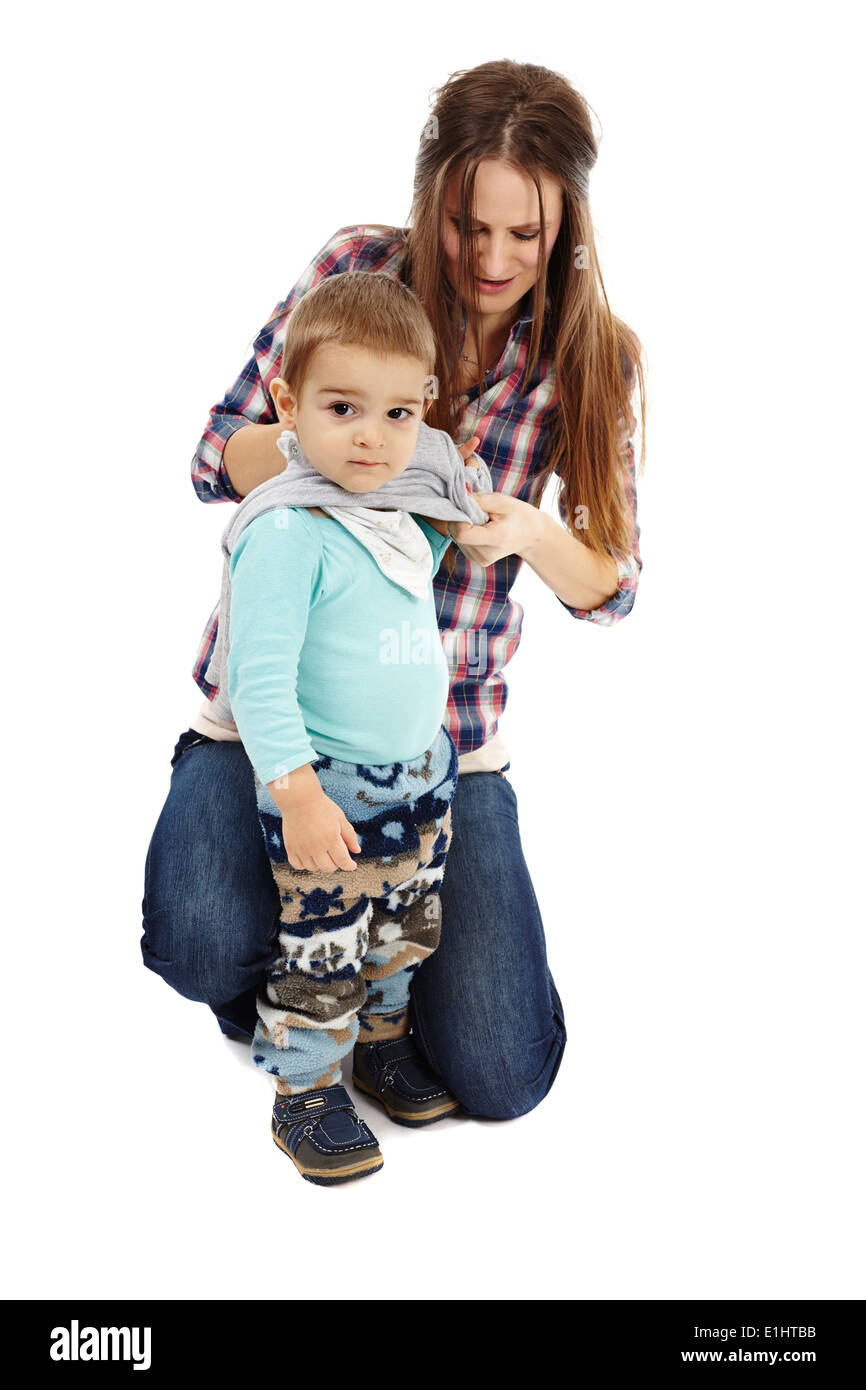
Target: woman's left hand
<point x="513" y="527"/>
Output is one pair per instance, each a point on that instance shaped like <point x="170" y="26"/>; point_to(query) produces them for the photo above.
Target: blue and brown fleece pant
<point x="350" y="942"/>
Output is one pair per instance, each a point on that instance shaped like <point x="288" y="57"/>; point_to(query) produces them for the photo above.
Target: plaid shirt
<point x="479" y="622"/>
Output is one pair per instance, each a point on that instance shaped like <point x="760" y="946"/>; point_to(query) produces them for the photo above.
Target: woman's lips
<point x="494" y="286"/>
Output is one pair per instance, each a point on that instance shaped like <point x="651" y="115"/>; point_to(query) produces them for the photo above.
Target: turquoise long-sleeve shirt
<point x="328" y="655"/>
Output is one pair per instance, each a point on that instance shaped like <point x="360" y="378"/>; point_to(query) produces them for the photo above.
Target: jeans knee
<point x="503" y="1092"/>
<point x="499" y="1103"/>
<point x="193" y="966"/>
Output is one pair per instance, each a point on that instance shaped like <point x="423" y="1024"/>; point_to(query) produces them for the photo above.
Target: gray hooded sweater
<point x="435" y="483"/>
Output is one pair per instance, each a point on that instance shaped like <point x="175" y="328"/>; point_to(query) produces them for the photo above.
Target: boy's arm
<point x="274" y="569"/>
<point x="436" y="532"/>
<point x="440" y="526"/>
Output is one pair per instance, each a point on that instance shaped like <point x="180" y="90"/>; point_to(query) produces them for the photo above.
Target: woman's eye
<point x="398" y="408"/>
<point x="521" y="236"/>
<point x="341" y="406"/>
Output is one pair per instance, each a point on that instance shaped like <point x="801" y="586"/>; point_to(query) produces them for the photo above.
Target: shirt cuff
<point x="620" y="602"/>
<point x="216" y="437"/>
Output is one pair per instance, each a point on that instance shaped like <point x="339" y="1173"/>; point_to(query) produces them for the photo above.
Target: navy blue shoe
<point x="395" y="1075"/>
<point x="324" y="1136"/>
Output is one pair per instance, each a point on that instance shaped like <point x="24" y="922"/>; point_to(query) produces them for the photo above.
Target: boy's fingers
<point x="341" y="855"/>
<point x="337" y="863"/>
<point x="349" y="836"/>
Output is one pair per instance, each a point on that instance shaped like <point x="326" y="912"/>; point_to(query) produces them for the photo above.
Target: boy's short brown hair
<point x="357" y="308"/>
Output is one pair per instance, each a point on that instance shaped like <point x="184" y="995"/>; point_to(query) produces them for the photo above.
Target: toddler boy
<point x="329" y="661"/>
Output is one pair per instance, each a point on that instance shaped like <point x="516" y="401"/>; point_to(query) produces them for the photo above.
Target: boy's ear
<point x="284" y="401"/>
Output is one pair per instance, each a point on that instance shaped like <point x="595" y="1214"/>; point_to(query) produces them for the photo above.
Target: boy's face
<point x="358" y="415"/>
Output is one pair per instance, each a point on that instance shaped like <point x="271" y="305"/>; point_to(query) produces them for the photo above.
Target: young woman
<point x="534" y="367"/>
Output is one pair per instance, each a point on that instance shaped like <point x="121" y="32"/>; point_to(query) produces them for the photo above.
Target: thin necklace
<point x="475" y="363"/>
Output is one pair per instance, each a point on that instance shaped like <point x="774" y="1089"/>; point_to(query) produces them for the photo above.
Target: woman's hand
<point x="468" y="448"/>
<point x="513" y="527"/>
<point x="316" y="836"/>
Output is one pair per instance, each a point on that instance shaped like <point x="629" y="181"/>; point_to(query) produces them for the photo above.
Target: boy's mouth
<point x="367" y="463"/>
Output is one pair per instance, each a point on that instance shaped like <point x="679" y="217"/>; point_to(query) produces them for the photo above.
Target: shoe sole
<point x="400" y="1117"/>
<point x="359" y="1169"/>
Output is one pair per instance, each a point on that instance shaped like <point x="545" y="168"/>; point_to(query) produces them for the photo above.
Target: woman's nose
<point x="493" y="260"/>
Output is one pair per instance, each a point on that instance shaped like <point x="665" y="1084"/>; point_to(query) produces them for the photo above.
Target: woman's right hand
<point x="319" y="837"/>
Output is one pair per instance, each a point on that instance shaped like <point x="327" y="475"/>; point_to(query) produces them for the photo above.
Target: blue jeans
<point x="485" y="1010"/>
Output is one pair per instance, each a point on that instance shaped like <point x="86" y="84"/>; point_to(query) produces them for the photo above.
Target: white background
<point x="689" y="781"/>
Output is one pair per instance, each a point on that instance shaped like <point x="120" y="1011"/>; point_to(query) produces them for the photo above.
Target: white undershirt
<point x="490" y="757"/>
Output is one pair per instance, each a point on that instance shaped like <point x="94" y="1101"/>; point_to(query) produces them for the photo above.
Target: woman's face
<point x="507" y="235"/>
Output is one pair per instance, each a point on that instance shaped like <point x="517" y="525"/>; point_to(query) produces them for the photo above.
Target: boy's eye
<point x="342" y="406"/>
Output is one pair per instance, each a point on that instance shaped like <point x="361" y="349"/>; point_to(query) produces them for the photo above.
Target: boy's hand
<point x="316" y="835"/>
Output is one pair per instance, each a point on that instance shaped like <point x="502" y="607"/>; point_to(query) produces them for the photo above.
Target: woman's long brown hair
<point x="533" y="119"/>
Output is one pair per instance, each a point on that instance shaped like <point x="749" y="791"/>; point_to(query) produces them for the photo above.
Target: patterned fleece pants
<point x="350" y="941"/>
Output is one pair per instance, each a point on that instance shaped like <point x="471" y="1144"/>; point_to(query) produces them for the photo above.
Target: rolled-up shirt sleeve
<point x="248" y="400"/>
